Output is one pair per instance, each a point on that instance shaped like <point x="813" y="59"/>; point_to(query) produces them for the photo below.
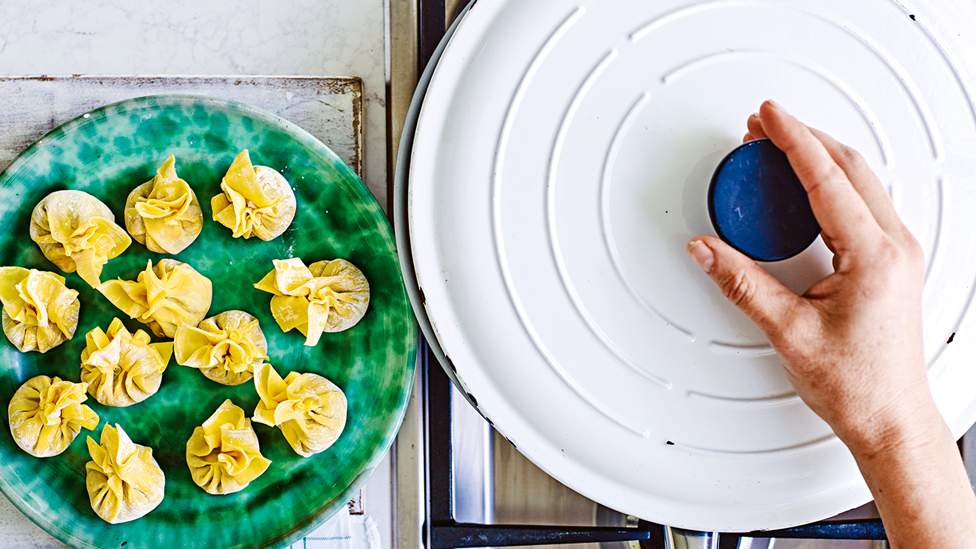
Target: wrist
<point x="918" y="481"/>
<point x="908" y="426"/>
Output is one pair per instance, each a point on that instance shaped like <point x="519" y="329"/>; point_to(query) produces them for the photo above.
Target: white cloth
<point x="343" y="531"/>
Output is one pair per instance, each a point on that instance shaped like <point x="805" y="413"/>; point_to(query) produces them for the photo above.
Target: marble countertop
<point x="219" y="37"/>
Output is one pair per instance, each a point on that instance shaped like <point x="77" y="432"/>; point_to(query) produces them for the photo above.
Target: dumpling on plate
<point x="124" y="481"/>
<point x="120" y="368"/>
<point x="77" y="232"/>
<point x="46" y="414"/>
<point x="256" y="200"/>
<point x="39" y="311"/>
<point x="223" y="454"/>
<point x="309" y="409"/>
<point x="326" y="296"/>
<point x="224" y="347"/>
<point x="162" y="297"/>
<point x="163" y="213"/>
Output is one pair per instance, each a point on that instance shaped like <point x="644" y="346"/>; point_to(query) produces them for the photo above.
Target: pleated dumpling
<point x="46" y="415"/>
<point x="162" y="297"/>
<point x="120" y="368"/>
<point x="326" y="296"/>
<point x="224" y="347"/>
<point x="309" y="409"/>
<point x="163" y="213"/>
<point x="39" y="311"/>
<point x="256" y="200"/>
<point x="223" y="454"/>
<point x="77" y="232"/>
<point x="123" y="479"/>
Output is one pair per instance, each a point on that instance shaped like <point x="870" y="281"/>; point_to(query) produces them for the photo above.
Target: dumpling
<point x="46" y="415"/>
<point x="257" y="200"/>
<point x="162" y="297"/>
<point x="39" y="311"/>
<point x="326" y="296"/>
<point x="124" y="481"/>
<point x="120" y="368"/>
<point x="224" y="347"/>
<point x="223" y="454"/>
<point x="309" y="409"/>
<point x="163" y="213"/>
<point x="77" y="232"/>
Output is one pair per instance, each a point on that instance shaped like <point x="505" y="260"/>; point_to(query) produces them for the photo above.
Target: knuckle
<point x="738" y="288"/>
<point x="835" y="173"/>
<point x="851" y="157"/>
<point x="914" y="249"/>
<point x="788" y="146"/>
<point x="899" y="256"/>
<point x="822" y="179"/>
<point x="915" y="258"/>
<point x="794" y="326"/>
<point x="889" y="254"/>
<point x="791" y="340"/>
<point x="781" y="335"/>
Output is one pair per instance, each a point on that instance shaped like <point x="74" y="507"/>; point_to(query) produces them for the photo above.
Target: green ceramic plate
<point x="108" y="152"/>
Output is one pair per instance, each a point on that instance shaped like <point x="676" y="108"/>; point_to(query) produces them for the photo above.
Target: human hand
<point x="852" y="344"/>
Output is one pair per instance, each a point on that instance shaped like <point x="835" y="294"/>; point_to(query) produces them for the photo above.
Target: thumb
<point x="765" y="300"/>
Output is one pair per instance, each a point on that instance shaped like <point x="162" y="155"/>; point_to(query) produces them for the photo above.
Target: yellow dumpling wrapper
<point x="46" y="415"/>
<point x="163" y="297"/>
<point x="309" y="409"/>
<point x="123" y="479"/>
<point x="164" y="214"/>
<point x="326" y="296"/>
<point x="77" y="232"/>
<point x="120" y="368"/>
<point x="256" y="200"/>
<point x="39" y="311"/>
<point x="224" y="347"/>
<point x="223" y="454"/>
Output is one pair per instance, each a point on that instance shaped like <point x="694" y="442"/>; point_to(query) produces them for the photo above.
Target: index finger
<point x="865" y="182"/>
<point x="842" y="213"/>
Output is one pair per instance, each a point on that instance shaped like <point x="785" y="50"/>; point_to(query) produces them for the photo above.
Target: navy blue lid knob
<point x="758" y="205"/>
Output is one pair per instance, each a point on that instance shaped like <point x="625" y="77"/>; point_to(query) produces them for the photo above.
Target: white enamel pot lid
<point x="561" y="162"/>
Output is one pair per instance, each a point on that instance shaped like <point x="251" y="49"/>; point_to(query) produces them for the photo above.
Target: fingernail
<point x="701" y="254"/>
<point x="755" y="115"/>
<point x="775" y="104"/>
